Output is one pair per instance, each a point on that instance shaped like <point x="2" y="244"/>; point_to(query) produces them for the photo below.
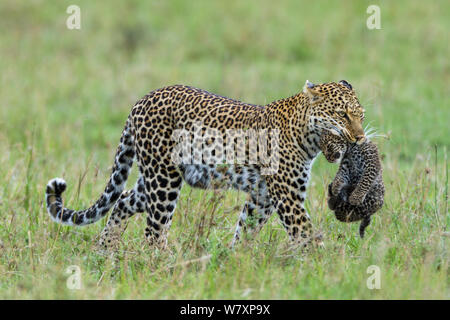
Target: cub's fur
<point x="357" y="191"/>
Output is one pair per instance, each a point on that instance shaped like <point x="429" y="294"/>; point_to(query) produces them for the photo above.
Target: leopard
<point x="151" y="137"/>
<point x="357" y="191"/>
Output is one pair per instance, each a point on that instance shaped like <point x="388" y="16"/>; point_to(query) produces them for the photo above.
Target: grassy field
<point x="65" y="94"/>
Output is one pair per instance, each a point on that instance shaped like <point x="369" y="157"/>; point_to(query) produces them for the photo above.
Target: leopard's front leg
<point x="295" y="220"/>
<point x="288" y="196"/>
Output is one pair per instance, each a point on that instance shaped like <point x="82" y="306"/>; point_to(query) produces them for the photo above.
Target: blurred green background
<point x="65" y="95"/>
<point x="85" y="81"/>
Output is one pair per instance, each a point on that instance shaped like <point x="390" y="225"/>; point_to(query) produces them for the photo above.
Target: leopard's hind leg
<point x="162" y="188"/>
<point x="129" y="203"/>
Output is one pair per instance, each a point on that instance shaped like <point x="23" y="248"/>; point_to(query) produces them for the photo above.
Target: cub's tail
<point x="121" y="169"/>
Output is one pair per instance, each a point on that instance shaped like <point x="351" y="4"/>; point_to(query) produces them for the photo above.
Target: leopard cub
<point x="357" y="191"/>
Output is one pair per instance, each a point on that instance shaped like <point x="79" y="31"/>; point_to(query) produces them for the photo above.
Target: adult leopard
<point x="148" y="136"/>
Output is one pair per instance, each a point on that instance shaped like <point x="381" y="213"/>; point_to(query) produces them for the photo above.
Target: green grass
<point x="65" y="96"/>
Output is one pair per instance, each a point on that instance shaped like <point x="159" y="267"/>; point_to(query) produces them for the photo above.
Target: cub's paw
<point x="335" y="189"/>
<point x="56" y="186"/>
<point x="355" y="199"/>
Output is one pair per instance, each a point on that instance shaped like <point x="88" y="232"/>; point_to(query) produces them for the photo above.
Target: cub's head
<point x="333" y="146"/>
<point x="334" y="106"/>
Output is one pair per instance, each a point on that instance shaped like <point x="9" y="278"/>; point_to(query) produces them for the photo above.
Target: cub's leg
<point x="129" y="203"/>
<point x="339" y="181"/>
<point x="332" y="199"/>
<point x="371" y="204"/>
<point x="346" y="212"/>
<point x="162" y="188"/>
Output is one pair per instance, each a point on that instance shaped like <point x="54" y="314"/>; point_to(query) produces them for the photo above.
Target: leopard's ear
<point x="346" y="84"/>
<point x="311" y="91"/>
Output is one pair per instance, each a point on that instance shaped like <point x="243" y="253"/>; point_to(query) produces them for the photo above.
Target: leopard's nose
<point x="337" y="155"/>
<point x="360" y="139"/>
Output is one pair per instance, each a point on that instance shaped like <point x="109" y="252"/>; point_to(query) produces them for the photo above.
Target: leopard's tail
<point x="121" y="169"/>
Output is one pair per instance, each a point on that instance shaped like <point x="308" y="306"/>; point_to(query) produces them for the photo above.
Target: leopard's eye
<point x="363" y="111"/>
<point x="342" y="114"/>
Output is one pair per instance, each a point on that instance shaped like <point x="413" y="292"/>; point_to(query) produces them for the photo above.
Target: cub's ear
<point x="310" y="89"/>
<point x="346" y="84"/>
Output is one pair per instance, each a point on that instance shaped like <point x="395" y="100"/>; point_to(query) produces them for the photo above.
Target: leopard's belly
<point x="244" y="178"/>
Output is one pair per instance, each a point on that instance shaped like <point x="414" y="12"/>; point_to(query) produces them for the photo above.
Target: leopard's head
<point x="333" y="146"/>
<point x="335" y="107"/>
